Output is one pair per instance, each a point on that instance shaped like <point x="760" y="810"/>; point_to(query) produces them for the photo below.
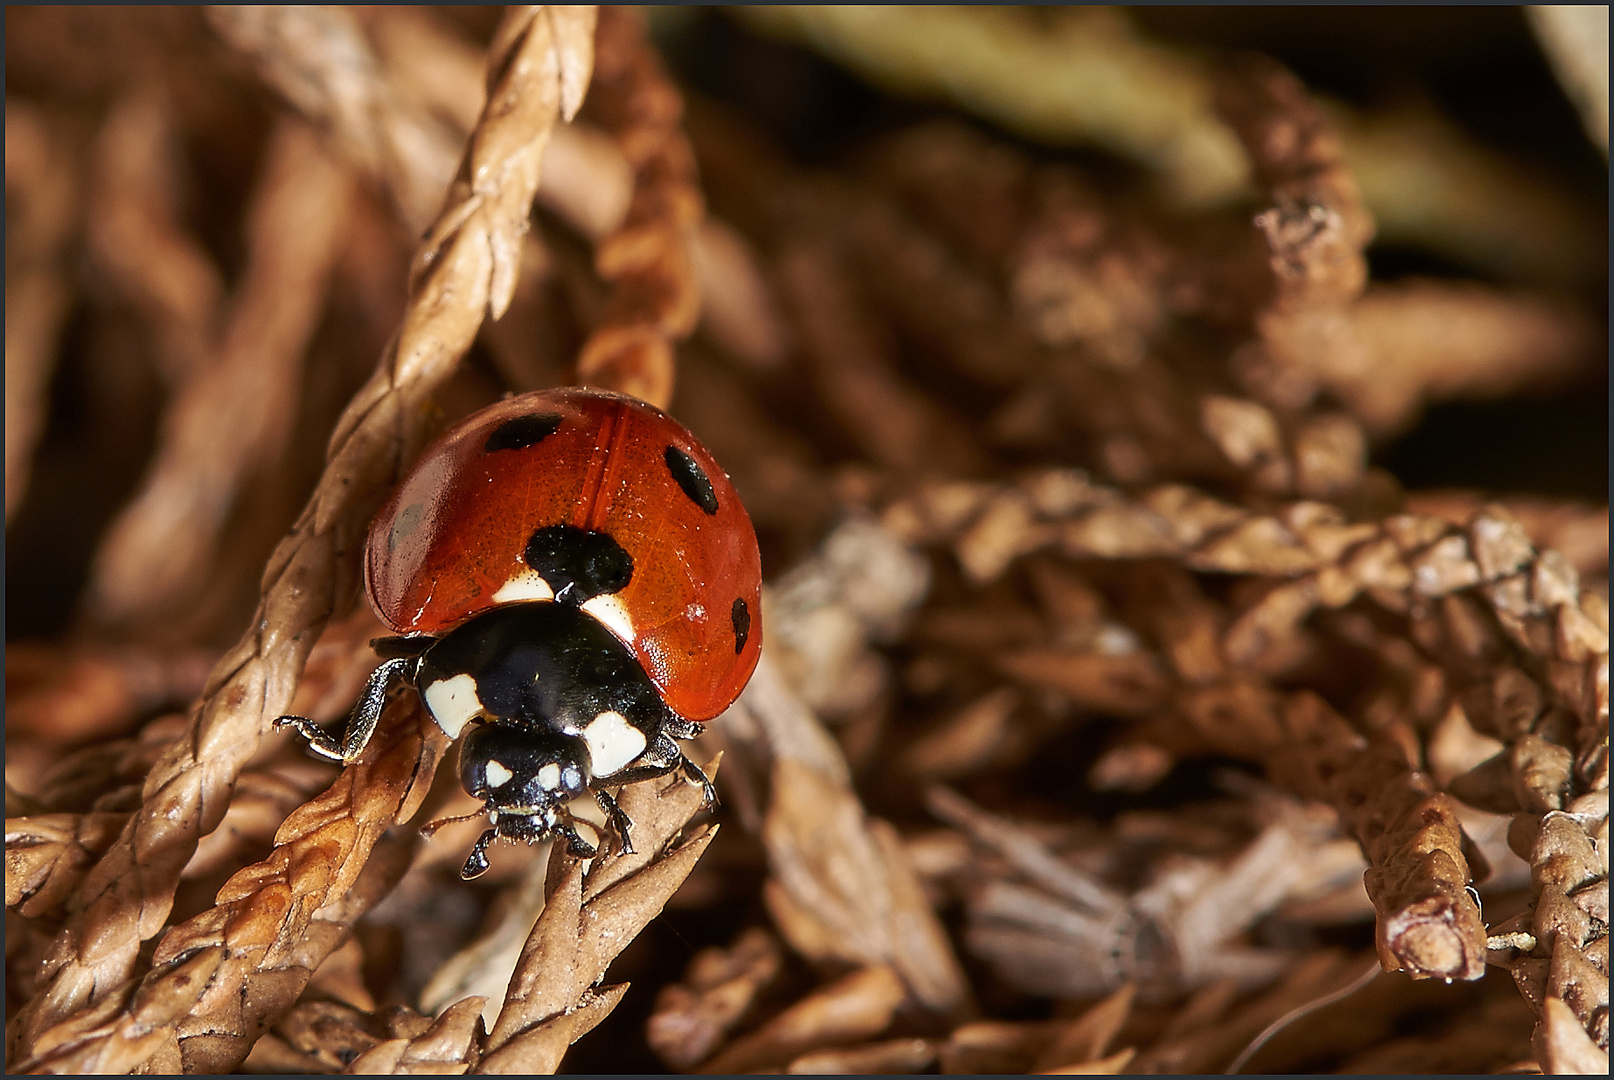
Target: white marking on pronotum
<point x="609" y="610"/>
<point x="453" y="703"/>
<point x="498" y="775"/>
<point x="526" y="585"/>
<point x="612" y="743"/>
<point x="549" y="777"/>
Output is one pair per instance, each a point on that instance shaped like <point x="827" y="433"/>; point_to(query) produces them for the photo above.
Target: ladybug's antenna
<point x="432" y="826"/>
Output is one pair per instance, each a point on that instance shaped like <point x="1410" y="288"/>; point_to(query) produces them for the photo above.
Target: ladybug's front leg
<point x="618" y="818"/>
<point x="678" y="728"/>
<point x="662" y="756"/>
<point x="365" y="715"/>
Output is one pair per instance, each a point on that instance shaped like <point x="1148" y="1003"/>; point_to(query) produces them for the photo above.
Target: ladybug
<point x="572" y="584"/>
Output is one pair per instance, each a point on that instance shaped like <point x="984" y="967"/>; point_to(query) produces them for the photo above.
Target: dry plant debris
<point x="43" y="180"/>
<point x="1118" y="713"/>
<point x="1092" y="77"/>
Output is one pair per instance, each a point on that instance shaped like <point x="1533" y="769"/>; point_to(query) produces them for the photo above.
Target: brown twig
<point x="218" y="980"/>
<point x="48" y="853"/>
<point x="236" y="402"/>
<point x="1418" y="873"/>
<point x="320" y="61"/>
<point x="719" y="987"/>
<point x="649" y="259"/>
<point x="136" y="235"/>
<point x="466" y="268"/>
<point x="938" y="319"/>
<point x="43" y="178"/>
<point x="1405" y="563"/>
<point x="1576" y="529"/>
<point x="590" y="916"/>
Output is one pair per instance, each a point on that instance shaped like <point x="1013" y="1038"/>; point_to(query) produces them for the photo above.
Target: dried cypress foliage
<point x="465" y="267"/>
<point x="1117" y="714"/>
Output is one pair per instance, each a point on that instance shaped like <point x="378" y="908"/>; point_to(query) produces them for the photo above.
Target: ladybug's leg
<point x="679" y="728"/>
<point x="574" y="843"/>
<point x="618" y="818"/>
<point x="661" y="757"/>
<point x="365" y="715"/>
<point x="476" y="864"/>
<point x="696" y="775"/>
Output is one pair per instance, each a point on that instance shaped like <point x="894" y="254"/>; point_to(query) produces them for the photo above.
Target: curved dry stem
<point x="47" y="854"/>
<point x="219" y="980"/>
<point x="1090" y="76"/>
<point x="1418" y="873"/>
<point x="649" y="260"/>
<point x="590" y="915"/>
<point x="319" y="60"/>
<point x="466" y="268"/>
<point x="234" y="410"/>
<point x="1475" y="597"/>
<point x="398" y="112"/>
<point x="44" y="181"/>
<point x="136" y="237"/>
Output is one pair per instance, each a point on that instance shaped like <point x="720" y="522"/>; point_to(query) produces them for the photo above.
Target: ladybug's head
<point x="525" y="778"/>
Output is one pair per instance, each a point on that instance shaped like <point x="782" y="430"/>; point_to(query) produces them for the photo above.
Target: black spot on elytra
<point x="742" y="624"/>
<point x="695" y="483"/>
<point x="520" y="432"/>
<point x="579" y="564"/>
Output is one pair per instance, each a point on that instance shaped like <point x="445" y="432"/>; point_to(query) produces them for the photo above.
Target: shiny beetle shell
<point x="465" y="531"/>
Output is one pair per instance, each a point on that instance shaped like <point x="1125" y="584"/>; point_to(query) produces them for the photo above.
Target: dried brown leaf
<point x="1084" y="1041"/>
<point x="44" y="188"/>
<point x="220" y="979"/>
<point x="238" y="396"/>
<point x="692" y="1017"/>
<point x="649" y="260"/>
<point x="849" y="1010"/>
<point x="464" y="268"/>
<point x="589" y="917"/>
<point x="893" y="1057"/>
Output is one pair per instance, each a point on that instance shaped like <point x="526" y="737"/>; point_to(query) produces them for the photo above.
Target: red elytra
<point x="455" y="530"/>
